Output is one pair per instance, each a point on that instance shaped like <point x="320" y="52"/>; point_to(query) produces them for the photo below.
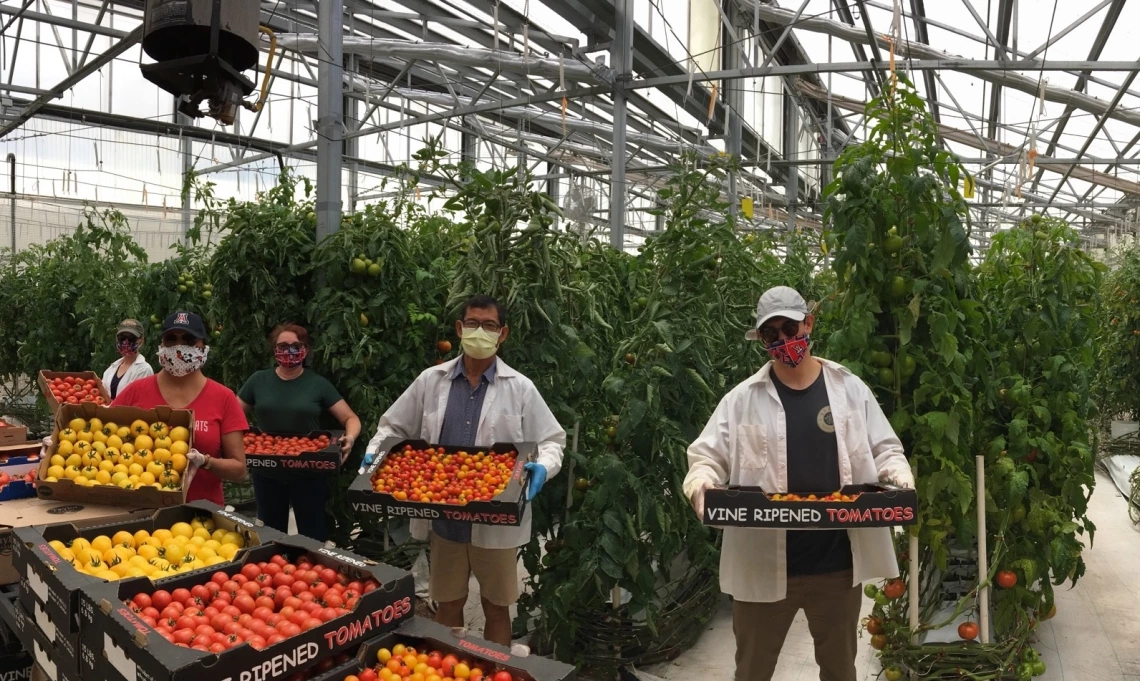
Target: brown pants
<point x="831" y="605"/>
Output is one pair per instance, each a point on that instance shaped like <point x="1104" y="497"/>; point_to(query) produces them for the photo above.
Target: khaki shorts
<point x="452" y="565"/>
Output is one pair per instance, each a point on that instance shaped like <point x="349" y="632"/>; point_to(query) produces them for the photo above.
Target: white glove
<point x="896" y="479"/>
<point x="47" y="443"/>
<point x="194" y="461"/>
<point x="697" y="499"/>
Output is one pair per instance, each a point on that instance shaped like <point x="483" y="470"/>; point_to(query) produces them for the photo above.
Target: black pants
<point x="307" y="495"/>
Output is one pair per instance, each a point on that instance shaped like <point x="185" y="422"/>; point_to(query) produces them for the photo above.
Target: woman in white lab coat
<point x="131" y="366"/>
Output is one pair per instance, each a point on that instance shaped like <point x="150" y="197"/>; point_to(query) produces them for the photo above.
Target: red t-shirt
<point x="216" y="413"/>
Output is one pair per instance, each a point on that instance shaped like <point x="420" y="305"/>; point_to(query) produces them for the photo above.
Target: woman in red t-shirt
<point x="219" y="422"/>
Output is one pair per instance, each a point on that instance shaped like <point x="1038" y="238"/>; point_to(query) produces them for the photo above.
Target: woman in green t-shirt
<point x="289" y="400"/>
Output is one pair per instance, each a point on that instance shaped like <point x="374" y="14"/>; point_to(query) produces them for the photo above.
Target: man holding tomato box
<point x="476" y="401"/>
<point x="799" y="425"/>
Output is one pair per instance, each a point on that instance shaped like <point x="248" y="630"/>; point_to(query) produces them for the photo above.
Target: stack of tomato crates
<point x="196" y="592"/>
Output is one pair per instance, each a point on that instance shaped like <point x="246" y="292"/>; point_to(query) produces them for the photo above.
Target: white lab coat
<point x="138" y="369"/>
<point x="745" y="443"/>
<point x="513" y="411"/>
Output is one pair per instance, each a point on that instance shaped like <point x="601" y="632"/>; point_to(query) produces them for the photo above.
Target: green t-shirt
<point x="292" y="406"/>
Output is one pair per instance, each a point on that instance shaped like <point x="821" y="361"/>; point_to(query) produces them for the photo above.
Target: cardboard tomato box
<point x="46" y="377"/>
<point x="36" y="649"/>
<point x="18" y="473"/>
<point x="427" y="636"/>
<point x="48" y="582"/>
<point x="35" y="511"/>
<point x="326" y="460"/>
<point x="873" y="506"/>
<point x="115" y="643"/>
<point x="12" y="435"/>
<point x="505" y="509"/>
<point x="145" y="497"/>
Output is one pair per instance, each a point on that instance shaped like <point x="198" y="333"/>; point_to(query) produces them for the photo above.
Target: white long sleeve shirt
<point x="513" y="411"/>
<point x="138" y="369"/>
<point x="745" y="443"/>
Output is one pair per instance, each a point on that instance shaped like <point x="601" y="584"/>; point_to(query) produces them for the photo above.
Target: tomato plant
<point x="1118" y="341"/>
<point x="1040" y="291"/>
<point x="260" y="274"/>
<point x="65" y="298"/>
<point x="903" y="313"/>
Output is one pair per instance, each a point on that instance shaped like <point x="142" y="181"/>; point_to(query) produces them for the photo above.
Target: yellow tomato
<point x="144" y="442"/>
<point x="179" y="434"/>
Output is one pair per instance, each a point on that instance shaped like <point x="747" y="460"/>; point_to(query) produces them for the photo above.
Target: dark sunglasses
<point x="179" y="339"/>
<point x="771" y="334"/>
<point x="290" y="347"/>
<point x="127" y="338"/>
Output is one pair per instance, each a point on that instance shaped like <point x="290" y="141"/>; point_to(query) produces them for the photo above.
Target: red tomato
<point x="245" y="603"/>
<point x="273" y="639"/>
<point x="367" y="675"/>
<point x="183" y="636"/>
<point x="283" y="579"/>
<point x="219" y="578"/>
<point x="204" y="630"/>
<point x="262" y="613"/>
<point x="250" y="571"/>
<point x="181" y="595"/>
<point x="311" y="623"/>
<point x="186" y="622"/>
<point x="502" y="676"/>
<point x="160" y="599"/>
<point x="333" y="600"/>
<point x="141" y="601"/>
<point x="216" y="648"/>
<point x="299" y="587"/>
<point x="329" y="614"/>
<point x="329" y="576"/>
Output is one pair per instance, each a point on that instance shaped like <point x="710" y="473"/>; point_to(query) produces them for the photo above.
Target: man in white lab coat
<point x="476" y="400"/>
<point x="800" y="424"/>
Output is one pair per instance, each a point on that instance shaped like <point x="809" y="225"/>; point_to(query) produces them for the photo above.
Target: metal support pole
<point x="12" y="202"/>
<point x="187" y="155"/>
<point x="791" y="148"/>
<point x="733" y="57"/>
<point x="621" y="56"/>
<point x="352" y="145"/>
<point x="470" y="143"/>
<point x="330" y="118"/>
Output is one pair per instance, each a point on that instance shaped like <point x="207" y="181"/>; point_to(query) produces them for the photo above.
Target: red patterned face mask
<point x="790" y="351"/>
<point x="291" y="357"/>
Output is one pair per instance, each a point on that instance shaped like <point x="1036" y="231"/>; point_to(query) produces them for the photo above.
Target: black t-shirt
<point x="813" y="467"/>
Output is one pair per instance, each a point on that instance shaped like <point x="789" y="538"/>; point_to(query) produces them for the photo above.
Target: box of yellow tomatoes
<point x="56" y="561"/>
<point x="119" y="456"/>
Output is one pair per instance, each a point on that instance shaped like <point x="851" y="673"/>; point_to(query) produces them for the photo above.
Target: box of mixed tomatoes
<point x="72" y="387"/>
<point x="448" y="653"/>
<point x="55" y="561"/>
<point x="279" y="610"/>
<point x="414" y="479"/>
<point x="316" y="452"/>
<point x="849" y="507"/>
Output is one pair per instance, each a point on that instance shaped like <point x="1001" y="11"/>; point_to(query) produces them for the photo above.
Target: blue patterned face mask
<point x="790" y="351"/>
<point x="290" y="355"/>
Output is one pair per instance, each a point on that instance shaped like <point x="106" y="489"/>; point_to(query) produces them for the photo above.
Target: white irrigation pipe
<point x="983" y="559"/>
<point x="912" y="556"/>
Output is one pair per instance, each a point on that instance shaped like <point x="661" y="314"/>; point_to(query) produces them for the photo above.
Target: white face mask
<point x="479" y="343"/>
<point x="181" y="360"/>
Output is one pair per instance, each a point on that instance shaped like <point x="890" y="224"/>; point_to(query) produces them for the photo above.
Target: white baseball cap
<point x="778" y="301"/>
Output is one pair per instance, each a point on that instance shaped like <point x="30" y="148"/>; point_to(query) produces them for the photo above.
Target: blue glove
<point x="537" y="479"/>
<point x="368" y="458"/>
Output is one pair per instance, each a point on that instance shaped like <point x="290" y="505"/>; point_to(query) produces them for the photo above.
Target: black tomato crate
<point x="426" y="636"/>
<point x="505" y="509"/>
<point x="326" y="460"/>
<point x="874" y="506"/>
<point x="50" y="584"/>
<point x="116" y="644"/>
<point x="34" y="648"/>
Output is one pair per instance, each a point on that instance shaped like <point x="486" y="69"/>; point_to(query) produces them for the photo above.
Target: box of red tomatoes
<point x="447" y="653"/>
<point x="278" y="611"/>
<point x="849" y="507"/>
<point x="283" y="455"/>
<point x="414" y="479"/>
<point x="45" y="556"/>
<point x="72" y="387"/>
